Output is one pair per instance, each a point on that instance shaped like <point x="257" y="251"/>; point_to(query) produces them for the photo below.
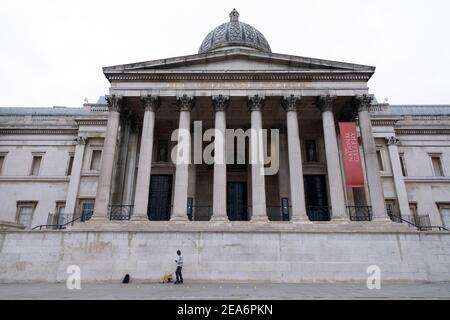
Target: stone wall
<point x="229" y="256"/>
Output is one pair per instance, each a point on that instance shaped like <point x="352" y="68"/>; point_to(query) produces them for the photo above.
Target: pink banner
<point x="354" y="176"/>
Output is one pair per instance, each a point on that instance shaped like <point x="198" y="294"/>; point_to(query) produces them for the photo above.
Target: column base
<point x="340" y="219"/>
<point x="179" y="219"/>
<point x="381" y="219"/>
<point x="139" y="218"/>
<point x="259" y="220"/>
<point x="219" y="219"/>
<point x="298" y="220"/>
<point x="99" y="218"/>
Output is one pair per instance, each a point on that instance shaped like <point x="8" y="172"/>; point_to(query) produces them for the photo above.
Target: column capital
<point x="363" y="102"/>
<point x="220" y="102"/>
<point x="185" y="102"/>
<point x="115" y="103"/>
<point x="392" y="140"/>
<point x="291" y="103"/>
<point x="150" y="103"/>
<point x="255" y="103"/>
<point x="81" y="140"/>
<point x="325" y="102"/>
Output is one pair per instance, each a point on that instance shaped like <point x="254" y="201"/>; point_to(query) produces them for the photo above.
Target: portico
<point x="239" y="85"/>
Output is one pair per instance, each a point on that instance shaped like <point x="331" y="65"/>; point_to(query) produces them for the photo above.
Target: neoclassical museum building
<point x="358" y="182"/>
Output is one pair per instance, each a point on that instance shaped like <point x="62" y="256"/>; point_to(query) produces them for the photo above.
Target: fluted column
<point x="259" y="211"/>
<point x="151" y="105"/>
<point x="370" y="156"/>
<point x="290" y="105"/>
<point x="109" y="149"/>
<point x="283" y="171"/>
<point x="334" y="172"/>
<point x="75" y="175"/>
<point x="131" y="169"/>
<point x="185" y="104"/>
<point x="220" y="104"/>
<point x="399" y="182"/>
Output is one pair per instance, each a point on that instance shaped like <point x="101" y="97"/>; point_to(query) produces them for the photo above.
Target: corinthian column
<point x="185" y="104"/>
<point x="399" y="182"/>
<point x="75" y="175"/>
<point x="220" y="104"/>
<point x="107" y="163"/>
<point x="290" y="105"/>
<point x="150" y="104"/>
<point x="259" y="214"/>
<point x="372" y="168"/>
<point x="335" y="182"/>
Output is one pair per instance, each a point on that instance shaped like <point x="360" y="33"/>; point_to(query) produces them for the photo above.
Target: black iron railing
<point x="239" y="213"/>
<point x="201" y="212"/>
<point x="420" y="222"/>
<point x="58" y="221"/>
<point x="359" y="213"/>
<point x="120" y="211"/>
<point x="275" y="213"/>
<point x="318" y="213"/>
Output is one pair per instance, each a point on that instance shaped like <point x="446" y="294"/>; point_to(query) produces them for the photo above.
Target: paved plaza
<point x="234" y="291"/>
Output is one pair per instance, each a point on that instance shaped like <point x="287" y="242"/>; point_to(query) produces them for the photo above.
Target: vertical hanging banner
<point x="354" y="176"/>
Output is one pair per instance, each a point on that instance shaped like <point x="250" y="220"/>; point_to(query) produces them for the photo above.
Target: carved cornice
<point x="410" y="131"/>
<point x="150" y="103"/>
<point x="392" y="140"/>
<point x="185" y="102"/>
<point x="68" y="131"/>
<point x="291" y="103"/>
<point x="255" y="103"/>
<point x="115" y="103"/>
<point x="363" y="102"/>
<point x="205" y="76"/>
<point x="220" y="102"/>
<point x="325" y="103"/>
<point x="384" y="122"/>
<point x="86" y="122"/>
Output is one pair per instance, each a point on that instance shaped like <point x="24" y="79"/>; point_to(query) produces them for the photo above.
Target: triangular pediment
<point x="238" y="60"/>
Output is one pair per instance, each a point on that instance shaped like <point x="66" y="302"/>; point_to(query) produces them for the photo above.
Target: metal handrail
<point x="120" y="211"/>
<point x="319" y="213"/>
<point x="61" y="226"/>
<point x="359" y="213"/>
<point x="420" y="228"/>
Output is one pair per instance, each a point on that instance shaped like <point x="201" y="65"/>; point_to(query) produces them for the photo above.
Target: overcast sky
<point x="52" y="52"/>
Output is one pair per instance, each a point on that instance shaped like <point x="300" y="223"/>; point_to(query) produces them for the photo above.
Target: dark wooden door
<point x="160" y="197"/>
<point x="237" y="201"/>
<point x="316" y="197"/>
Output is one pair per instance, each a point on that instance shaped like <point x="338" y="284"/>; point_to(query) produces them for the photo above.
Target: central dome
<point x="234" y="34"/>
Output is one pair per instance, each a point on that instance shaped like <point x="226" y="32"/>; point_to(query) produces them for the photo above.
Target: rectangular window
<point x="61" y="218"/>
<point x="445" y="215"/>
<point x="25" y="212"/>
<point x="380" y="160"/>
<point x="36" y="165"/>
<point x="437" y="166"/>
<point x="2" y="160"/>
<point x="87" y="209"/>
<point x="311" y="151"/>
<point x="69" y="165"/>
<point x="163" y="150"/>
<point x="402" y="164"/>
<point x="413" y="208"/>
<point x="96" y="159"/>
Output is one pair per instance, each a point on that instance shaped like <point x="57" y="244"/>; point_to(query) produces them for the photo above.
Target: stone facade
<point x="225" y="256"/>
<point x="77" y="171"/>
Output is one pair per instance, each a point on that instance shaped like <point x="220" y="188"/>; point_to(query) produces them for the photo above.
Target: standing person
<point x="179" y="262"/>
